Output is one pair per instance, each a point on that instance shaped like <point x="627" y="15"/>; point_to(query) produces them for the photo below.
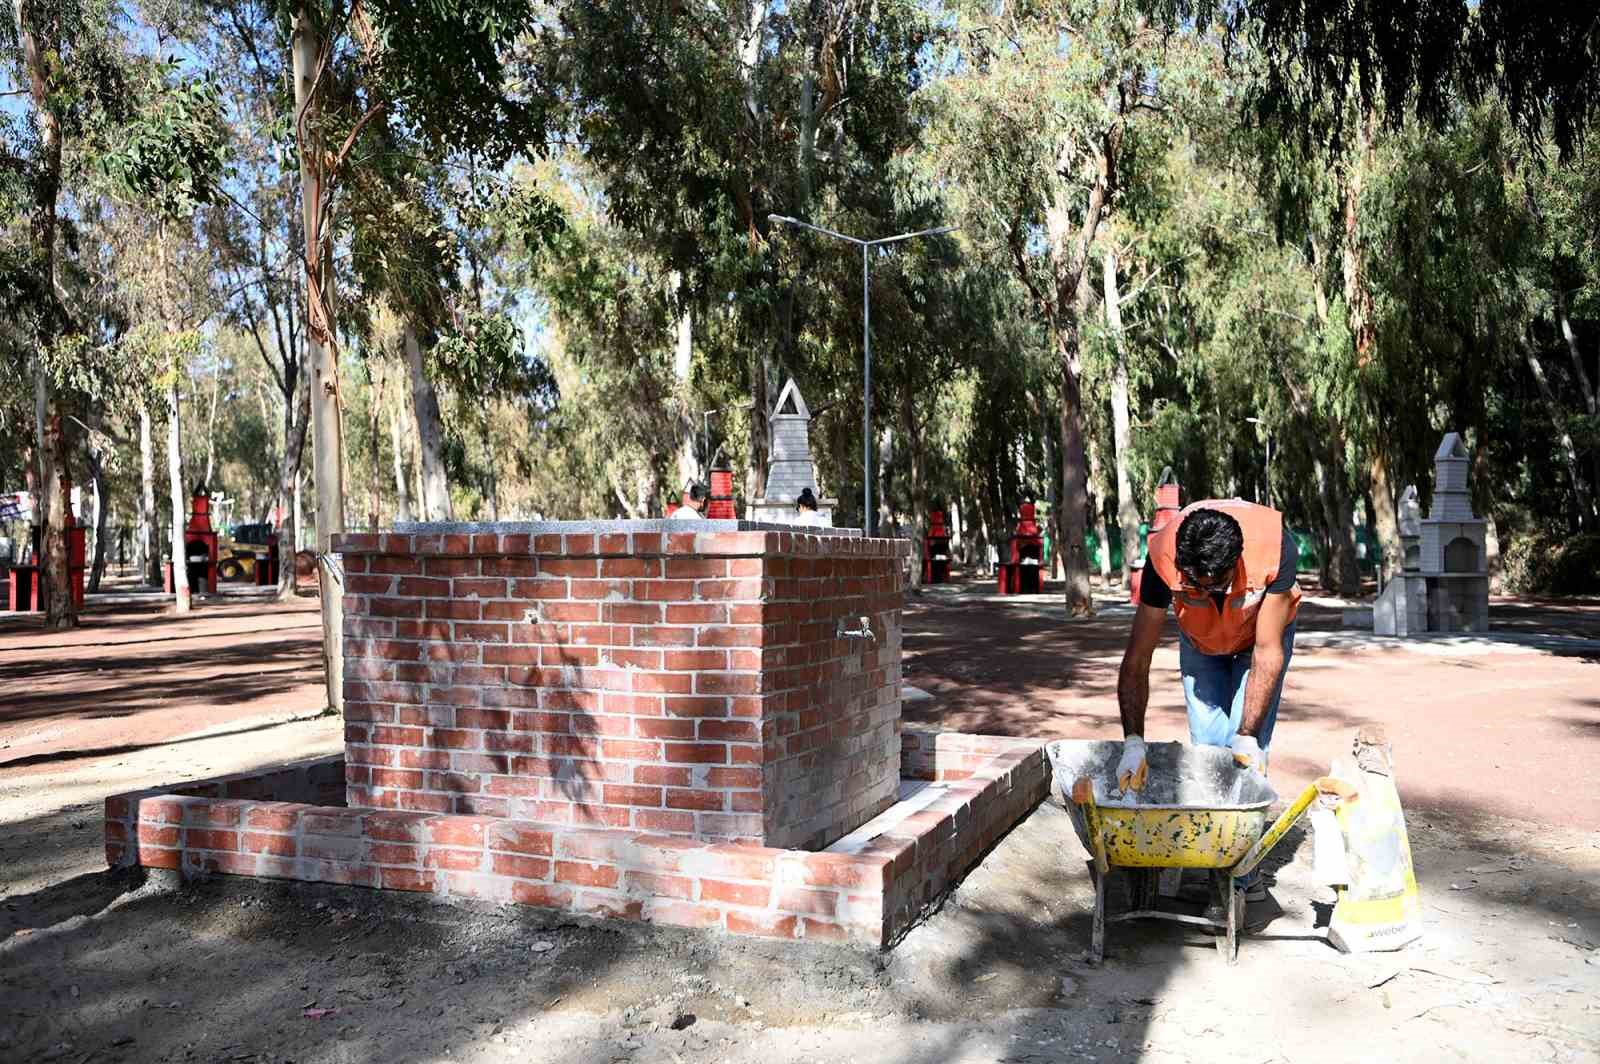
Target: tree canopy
<point x="516" y="259"/>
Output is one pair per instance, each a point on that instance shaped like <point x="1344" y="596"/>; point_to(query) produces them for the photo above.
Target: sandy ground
<point x="100" y="967"/>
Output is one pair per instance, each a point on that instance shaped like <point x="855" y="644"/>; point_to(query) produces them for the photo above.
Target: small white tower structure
<point x="1444" y="582"/>
<point x="790" y="470"/>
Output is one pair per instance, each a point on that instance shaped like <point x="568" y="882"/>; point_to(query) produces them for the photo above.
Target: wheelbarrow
<point x="1198" y="809"/>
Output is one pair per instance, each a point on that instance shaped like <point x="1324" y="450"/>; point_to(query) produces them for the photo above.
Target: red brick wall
<point x="681" y="683"/>
<point x="281" y="824"/>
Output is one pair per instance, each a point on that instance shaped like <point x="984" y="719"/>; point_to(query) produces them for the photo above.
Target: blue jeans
<point x="1213" y="690"/>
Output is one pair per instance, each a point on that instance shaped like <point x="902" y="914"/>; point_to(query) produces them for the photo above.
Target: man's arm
<point x="1266" y="663"/>
<point x="1133" y="679"/>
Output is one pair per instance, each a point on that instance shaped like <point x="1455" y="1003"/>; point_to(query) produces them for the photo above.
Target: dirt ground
<point x="1495" y="743"/>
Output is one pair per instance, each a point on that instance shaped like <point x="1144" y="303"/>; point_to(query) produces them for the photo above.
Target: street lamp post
<point x="866" y="247"/>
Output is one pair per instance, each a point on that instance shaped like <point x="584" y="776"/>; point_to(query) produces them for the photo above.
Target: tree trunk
<point x="1591" y="394"/>
<point x="1357" y="292"/>
<point x="1074" y="487"/>
<point x="289" y="466"/>
<point x="919" y="500"/>
<point x="1583" y="509"/>
<point x="402" y="483"/>
<point x="435" y="500"/>
<point x="149" y="521"/>
<point x="1340" y="572"/>
<point x="491" y="479"/>
<point x="60" y="611"/>
<point x="321" y="335"/>
<point x="1097" y="498"/>
<point x="1052" y="452"/>
<point x="755" y="478"/>
<point x="1070" y="240"/>
<point x="97" y="482"/>
<point x="682" y="364"/>
<point x="375" y="401"/>
<point x="1383" y="506"/>
<point x="211" y="425"/>
<point x="1483" y="480"/>
<point x="180" y="567"/>
<point x="1121" y="424"/>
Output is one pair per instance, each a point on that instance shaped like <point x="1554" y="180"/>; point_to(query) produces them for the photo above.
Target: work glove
<point x="1248" y="753"/>
<point x="1133" y="768"/>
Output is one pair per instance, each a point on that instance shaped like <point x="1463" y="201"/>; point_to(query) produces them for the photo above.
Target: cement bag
<point x="1379" y="908"/>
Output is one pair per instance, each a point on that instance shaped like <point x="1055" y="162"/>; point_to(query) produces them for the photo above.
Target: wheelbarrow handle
<point x="1280" y="827"/>
<point x="1083" y="796"/>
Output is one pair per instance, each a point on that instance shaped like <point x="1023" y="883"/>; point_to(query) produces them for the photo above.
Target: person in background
<point x="806" y="505"/>
<point x="695" y="495"/>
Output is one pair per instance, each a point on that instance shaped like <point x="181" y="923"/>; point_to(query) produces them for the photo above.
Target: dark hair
<point x="805" y="500"/>
<point x="1209" y="544"/>
<point x="696" y="491"/>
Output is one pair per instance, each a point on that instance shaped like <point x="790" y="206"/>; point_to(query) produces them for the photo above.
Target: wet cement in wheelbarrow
<point x="1180" y="776"/>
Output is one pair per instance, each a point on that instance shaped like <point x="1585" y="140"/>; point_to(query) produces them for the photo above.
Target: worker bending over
<point x="1227" y="568"/>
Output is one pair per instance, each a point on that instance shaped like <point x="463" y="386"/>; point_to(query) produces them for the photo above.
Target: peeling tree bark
<point x="1583" y="508"/>
<point x="326" y="437"/>
<point x="435" y="499"/>
<point x="149" y="521"/>
<point x="1097" y="499"/>
<point x="180" y="568"/>
<point x="48" y="425"/>
<point x="1591" y="392"/>
<point x="1383" y="506"/>
<point x="1121" y="423"/>
<point x="402" y="483"/>
<point x="97" y="483"/>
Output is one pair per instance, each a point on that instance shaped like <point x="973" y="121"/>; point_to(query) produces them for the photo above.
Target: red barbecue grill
<point x="1023" y="574"/>
<point x="936" y="550"/>
<point x="24" y="586"/>
<point x="1167" y="507"/>
<point x="199" y="545"/>
<point x="720" y="506"/>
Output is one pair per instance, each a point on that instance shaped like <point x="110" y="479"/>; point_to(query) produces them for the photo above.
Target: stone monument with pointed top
<point x="1443" y="585"/>
<point x="790" y="469"/>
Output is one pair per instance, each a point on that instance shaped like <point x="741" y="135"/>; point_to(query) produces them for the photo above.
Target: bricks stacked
<point x="283" y="824"/>
<point x="684" y="683"/>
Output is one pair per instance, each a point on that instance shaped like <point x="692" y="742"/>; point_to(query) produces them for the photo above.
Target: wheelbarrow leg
<point x="1235" y="926"/>
<point x="1097" y="940"/>
<point x="1099" y="867"/>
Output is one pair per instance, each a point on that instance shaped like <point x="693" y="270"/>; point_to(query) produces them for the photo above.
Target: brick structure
<point x="626" y="675"/>
<point x="869" y="888"/>
<point x="693" y="727"/>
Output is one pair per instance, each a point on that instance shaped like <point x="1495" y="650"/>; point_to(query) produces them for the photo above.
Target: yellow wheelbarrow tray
<point x="1198" y="809"/>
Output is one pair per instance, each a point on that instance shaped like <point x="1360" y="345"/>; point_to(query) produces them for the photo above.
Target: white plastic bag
<point x="1379" y="907"/>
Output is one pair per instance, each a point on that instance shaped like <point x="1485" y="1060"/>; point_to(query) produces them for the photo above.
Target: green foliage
<point x="169" y="155"/>
<point x="1541" y="564"/>
<point x="442" y="64"/>
<point x="483" y="356"/>
<point x="1413" y="57"/>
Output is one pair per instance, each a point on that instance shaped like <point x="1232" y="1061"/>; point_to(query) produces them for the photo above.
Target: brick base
<point x="868" y="889"/>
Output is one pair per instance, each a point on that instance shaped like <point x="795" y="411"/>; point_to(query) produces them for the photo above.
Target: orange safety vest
<point x="1232" y="628"/>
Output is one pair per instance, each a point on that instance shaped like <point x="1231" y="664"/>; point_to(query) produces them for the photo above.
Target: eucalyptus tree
<point x="62" y="56"/>
<point x="167" y="158"/>
<point x="441" y="71"/>
<point x="1041" y="113"/>
<point x="699" y="122"/>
